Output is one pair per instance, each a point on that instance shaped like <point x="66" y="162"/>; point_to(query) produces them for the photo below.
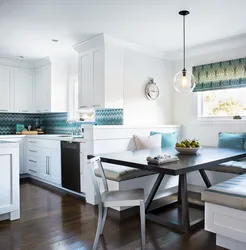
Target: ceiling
<point x="28" y="26"/>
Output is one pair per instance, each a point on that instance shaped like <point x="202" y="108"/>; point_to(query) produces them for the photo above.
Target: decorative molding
<point x="102" y="39"/>
<point x="16" y="63"/>
<point x="42" y="62"/>
<point x="221" y="45"/>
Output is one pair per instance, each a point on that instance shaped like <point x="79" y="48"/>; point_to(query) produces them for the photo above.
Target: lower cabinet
<point x="49" y="166"/>
<point x="43" y="161"/>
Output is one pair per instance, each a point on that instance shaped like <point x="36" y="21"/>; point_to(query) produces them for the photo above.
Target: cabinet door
<point x="98" y="78"/>
<point x="86" y="80"/>
<point x="43" y="89"/>
<point x="23" y="90"/>
<point x="6" y="89"/>
<point x="54" y="166"/>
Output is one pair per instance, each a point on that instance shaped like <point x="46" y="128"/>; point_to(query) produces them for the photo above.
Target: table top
<point x="206" y="158"/>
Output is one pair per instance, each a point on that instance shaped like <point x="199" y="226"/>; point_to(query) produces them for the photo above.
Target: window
<point x="223" y="103"/>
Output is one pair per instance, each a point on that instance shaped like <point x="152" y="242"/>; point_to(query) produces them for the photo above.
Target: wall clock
<point x="152" y="90"/>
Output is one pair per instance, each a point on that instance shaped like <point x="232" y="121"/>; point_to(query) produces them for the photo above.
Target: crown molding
<point x="16" y="63"/>
<point x="42" y="62"/>
<point x="221" y="45"/>
<point x="103" y="39"/>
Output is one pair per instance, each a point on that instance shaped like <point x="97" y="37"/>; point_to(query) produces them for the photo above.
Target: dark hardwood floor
<point x="52" y="221"/>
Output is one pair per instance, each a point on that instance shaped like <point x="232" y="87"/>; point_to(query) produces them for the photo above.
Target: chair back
<point x="92" y="164"/>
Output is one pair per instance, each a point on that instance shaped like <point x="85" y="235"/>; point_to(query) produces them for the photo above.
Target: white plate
<point x="188" y="150"/>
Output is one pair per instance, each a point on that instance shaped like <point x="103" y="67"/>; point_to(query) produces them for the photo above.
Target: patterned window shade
<point x="220" y="75"/>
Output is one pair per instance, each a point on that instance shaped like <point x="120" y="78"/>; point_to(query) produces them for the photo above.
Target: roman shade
<point x="220" y="75"/>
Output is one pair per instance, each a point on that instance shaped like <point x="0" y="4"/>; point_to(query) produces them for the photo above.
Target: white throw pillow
<point x="144" y="142"/>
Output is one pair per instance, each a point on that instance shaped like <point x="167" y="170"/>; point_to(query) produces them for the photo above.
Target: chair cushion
<point x="168" y="139"/>
<point x="121" y="173"/>
<point x="232" y="167"/>
<point x="231" y="193"/>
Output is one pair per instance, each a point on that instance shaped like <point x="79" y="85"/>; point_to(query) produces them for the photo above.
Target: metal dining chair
<point x="133" y="197"/>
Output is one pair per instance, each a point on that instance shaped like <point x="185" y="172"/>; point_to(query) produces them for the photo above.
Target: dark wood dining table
<point x="206" y="158"/>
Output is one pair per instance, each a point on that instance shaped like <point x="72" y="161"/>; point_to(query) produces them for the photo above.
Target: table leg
<point x="179" y="193"/>
<point x="205" y="178"/>
<point x="184" y="201"/>
<point x="153" y="191"/>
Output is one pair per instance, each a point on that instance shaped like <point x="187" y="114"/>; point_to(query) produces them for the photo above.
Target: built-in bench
<point x="232" y="167"/>
<point x="225" y="212"/>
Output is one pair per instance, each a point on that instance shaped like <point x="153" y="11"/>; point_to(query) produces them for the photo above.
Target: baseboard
<point x="53" y="187"/>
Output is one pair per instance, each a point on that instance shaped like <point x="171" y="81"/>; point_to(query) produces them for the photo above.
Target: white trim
<point x="216" y="46"/>
<point x="102" y="39"/>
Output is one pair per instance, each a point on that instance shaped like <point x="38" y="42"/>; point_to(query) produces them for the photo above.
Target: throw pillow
<point x="168" y="139"/>
<point x="230" y="140"/>
<point x="144" y="142"/>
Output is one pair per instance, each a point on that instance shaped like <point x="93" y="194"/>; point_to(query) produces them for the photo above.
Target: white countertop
<point x="57" y="137"/>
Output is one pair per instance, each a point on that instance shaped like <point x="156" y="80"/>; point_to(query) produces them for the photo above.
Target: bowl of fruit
<point x="188" y="146"/>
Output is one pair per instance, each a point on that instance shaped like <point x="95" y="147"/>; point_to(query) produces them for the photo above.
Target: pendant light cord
<point x="184" y="40"/>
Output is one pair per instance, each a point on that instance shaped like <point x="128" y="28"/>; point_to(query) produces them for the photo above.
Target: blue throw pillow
<point x="229" y="140"/>
<point x="168" y="139"/>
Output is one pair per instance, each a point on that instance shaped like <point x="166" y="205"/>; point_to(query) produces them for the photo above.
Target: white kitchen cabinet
<point x="6" y="89"/>
<point x="23" y="90"/>
<point x="44" y="159"/>
<point x="49" y="166"/>
<point x="9" y="182"/>
<point x="22" y="150"/>
<point x="100" y="77"/>
<point x="42" y="89"/>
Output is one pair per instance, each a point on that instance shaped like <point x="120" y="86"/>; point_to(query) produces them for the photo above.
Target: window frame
<point x="225" y="119"/>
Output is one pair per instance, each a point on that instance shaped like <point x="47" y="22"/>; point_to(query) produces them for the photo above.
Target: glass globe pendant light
<point x="184" y="80"/>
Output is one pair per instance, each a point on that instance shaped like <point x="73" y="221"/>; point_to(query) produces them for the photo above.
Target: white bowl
<point x="191" y="151"/>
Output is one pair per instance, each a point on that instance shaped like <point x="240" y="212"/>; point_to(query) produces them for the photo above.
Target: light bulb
<point x="184" y="81"/>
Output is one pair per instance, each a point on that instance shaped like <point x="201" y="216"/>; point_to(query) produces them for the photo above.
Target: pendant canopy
<point x="184" y="80"/>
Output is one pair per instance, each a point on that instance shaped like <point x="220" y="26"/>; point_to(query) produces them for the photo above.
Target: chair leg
<point x="142" y="222"/>
<point x="99" y="226"/>
<point x="104" y="218"/>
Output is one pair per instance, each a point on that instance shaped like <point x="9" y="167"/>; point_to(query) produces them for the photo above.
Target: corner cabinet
<point x="100" y="78"/>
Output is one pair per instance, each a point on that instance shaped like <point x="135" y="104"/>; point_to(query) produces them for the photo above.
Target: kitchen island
<point x="9" y="181"/>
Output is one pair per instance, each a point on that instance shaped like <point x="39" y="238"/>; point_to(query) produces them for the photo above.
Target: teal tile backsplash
<point x="56" y="123"/>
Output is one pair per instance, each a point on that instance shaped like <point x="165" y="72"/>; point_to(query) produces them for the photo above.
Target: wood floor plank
<point x="53" y="221"/>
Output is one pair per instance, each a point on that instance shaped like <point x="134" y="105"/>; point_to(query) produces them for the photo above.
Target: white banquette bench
<point x="225" y="212"/>
<point x="108" y="139"/>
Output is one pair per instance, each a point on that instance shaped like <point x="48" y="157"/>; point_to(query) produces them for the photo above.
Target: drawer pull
<point x="32" y="151"/>
<point x="38" y="110"/>
<point x="3" y="110"/>
<point x="32" y="161"/>
<point x="32" y="141"/>
<point x="32" y="171"/>
<point x="25" y="111"/>
<point x="46" y="110"/>
<point x="96" y="105"/>
<point x="83" y="107"/>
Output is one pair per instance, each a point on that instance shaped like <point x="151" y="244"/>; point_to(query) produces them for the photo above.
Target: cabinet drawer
<point x="32" y="167"/>
<point x="45" y="143"/>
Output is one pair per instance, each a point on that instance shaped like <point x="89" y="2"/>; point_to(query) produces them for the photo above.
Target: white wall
<point x="138" y="110"/>
<point x="185" y="105"/>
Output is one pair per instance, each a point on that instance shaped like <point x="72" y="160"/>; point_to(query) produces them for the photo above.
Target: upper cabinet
<point x="6" y="86"/>
<point x="23" y="90"/>
<point x="100" y="83"/>
<point x="50" y="85"/>
<point x="42" y="89"/>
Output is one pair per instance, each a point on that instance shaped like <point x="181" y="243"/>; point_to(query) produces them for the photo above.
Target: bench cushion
<point x="230" y="193"/>
<point x="232" y="167"/>
<point x="121" y="173"/>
